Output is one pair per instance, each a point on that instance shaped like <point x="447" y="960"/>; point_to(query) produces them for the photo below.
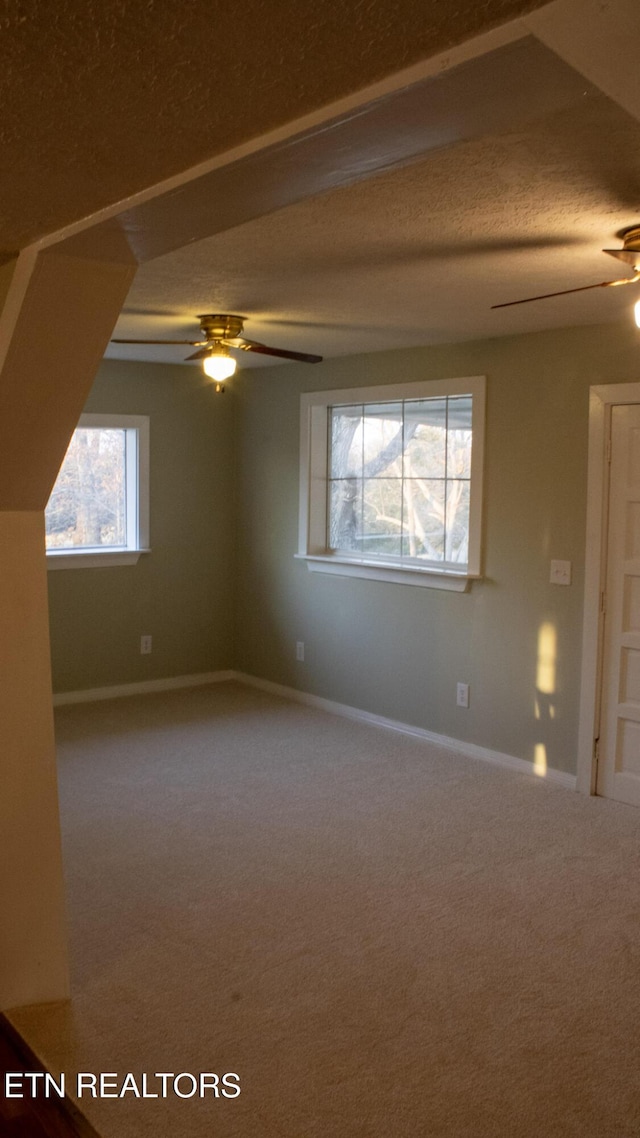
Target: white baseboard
<point x="142" y="687"/>
<point x="459" y="745"/>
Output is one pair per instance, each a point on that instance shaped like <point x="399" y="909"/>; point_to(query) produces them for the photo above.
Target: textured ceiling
<point x="104" y="98"/>
<point x="529" y="173"/>
<point x="418" y="255"/>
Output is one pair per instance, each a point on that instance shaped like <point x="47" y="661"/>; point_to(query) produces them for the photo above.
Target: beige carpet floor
<point x="382" y="938"/>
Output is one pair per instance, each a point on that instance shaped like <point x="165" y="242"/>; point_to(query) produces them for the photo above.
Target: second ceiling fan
<point x="630" y="254"/>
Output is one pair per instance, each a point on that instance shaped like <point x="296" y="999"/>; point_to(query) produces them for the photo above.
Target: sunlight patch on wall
<point x="540" y="760"/>
<point x="545" y="689"/>
<point x="547" y="648"/>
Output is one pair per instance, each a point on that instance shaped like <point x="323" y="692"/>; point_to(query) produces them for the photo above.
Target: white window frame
<point x="314" y="458"/>
<point x="137" y="506"/>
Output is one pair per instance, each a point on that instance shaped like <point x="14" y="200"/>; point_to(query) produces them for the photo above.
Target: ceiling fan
<point x="630" y="254"/>
<point x="221" y="332"/>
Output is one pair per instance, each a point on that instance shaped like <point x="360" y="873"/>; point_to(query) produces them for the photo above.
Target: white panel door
<point x="619" y="743"/>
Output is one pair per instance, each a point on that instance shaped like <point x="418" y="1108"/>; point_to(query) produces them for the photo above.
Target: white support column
<point x="33" y="954"/>
<point x="57" y="317"/>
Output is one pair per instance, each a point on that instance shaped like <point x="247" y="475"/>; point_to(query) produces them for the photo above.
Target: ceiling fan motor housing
<point x="221" y="326"/>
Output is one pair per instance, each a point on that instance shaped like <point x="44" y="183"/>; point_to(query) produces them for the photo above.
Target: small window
<point x="391" y="481"/>
<point x="99" y="507"/>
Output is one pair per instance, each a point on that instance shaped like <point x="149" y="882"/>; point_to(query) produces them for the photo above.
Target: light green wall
<point x="183" y="591"/>
<point x="397" y="650"/>
<point x="224" y="507"/>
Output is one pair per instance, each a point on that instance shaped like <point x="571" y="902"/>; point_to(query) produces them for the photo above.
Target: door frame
<point x="602" y="398"/>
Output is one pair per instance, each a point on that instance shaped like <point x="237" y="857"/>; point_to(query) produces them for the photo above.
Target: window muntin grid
<point x="398" y="486"/>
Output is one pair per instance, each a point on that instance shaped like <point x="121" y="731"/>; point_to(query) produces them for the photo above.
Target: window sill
<point x="426" y="578"/>
<point x="93" y="559"/>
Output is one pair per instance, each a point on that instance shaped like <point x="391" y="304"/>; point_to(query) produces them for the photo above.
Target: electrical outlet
<point x="145" y="645"/>
<point x="462" y="695"/>
<point x="299" y="649"/>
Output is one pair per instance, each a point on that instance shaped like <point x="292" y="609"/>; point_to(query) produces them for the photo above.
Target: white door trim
<point x="601" y="399"/>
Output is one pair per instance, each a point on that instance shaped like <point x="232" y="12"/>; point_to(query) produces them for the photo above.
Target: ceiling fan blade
<point x="192" y="343"/>
<point x="262" y="349"/>
<point x="202" y="353"/>
<point x="566" y="291"/>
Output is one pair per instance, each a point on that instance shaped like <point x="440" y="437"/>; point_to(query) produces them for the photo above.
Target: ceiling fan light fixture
<point x="218" y="329"/>
<point x="636" y="312"/>
<point x="218" y="364"/>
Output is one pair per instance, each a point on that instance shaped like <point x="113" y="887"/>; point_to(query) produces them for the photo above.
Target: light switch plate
<point x="560" y="573"/>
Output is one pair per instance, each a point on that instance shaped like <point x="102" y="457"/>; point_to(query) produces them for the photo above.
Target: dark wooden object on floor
<point x="33" y="1117"/>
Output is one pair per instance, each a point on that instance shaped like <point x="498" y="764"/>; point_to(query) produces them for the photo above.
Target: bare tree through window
<point x="87" y="507"/>
<point x="399" y="478"/>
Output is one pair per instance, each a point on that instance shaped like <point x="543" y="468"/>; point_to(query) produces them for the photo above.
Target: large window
<point x="391" y="481"/>
<point x="98" y="510"/>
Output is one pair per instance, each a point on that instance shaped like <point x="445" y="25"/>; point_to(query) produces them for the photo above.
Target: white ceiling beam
<point x="493" y="92"/>
<point x="598" y="38"/>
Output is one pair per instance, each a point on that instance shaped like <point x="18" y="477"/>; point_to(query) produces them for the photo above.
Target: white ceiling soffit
<point x="505" y="88"/>
<point x="600" y="39"/>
